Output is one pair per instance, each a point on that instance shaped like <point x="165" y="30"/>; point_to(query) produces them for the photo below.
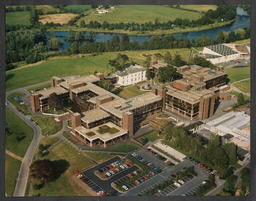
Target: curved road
<point x="24" y="169"/>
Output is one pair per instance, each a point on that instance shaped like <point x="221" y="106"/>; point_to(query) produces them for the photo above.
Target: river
<point x="243" y="20"/>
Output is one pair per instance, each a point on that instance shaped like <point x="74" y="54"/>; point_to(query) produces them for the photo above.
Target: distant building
<point x="225" y="52"/>
<point x="155" y="65"/>
<point x="102" y="10"/>
<point x="131" y="75"/>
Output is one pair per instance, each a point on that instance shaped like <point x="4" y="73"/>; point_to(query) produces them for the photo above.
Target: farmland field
<point x="18" y="18"/>
<point x="73" y="66"/>
<point x="200" y="8"/>
<point x="141" y="14"/>
<point x="77" y="8"/>
<point x="57" y="18"/>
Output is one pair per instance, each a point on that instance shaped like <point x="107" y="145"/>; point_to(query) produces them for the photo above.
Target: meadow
<point x="141" y="14"/>
<point x="67" y="66"/>
<point x="199" y="8"/>
<point x="235" y="74"/>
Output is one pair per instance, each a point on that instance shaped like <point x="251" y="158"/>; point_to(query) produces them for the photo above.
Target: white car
<point x="177" y="184"/>
<point x="122" y="167"/>
<point x="99" y="192"/>
<point x="108" y="174"/>
<point x="203" y="182"/>
<point x="180" y="181"/>
<point x="79" y="176"/>
<point x="125" y="187"/>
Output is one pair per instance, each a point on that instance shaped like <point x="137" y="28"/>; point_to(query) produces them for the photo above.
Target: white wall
<point x="132" y="78"/>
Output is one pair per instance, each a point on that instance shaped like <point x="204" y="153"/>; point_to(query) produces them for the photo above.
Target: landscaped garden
<point x="57" y="111"/>
<point x="107" y="129"/>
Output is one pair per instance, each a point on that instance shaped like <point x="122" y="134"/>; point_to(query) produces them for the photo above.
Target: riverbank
<point x="143" y="33"/>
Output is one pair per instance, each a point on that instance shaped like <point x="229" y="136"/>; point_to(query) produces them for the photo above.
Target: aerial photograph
<point x="127" y="100"/>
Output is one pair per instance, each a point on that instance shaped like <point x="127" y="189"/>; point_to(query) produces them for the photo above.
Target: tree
<point x="240" y="99"/>
<point x="230" y="149"/>
<point x="168" y="57"/>
<point x="106" y="84"/>
<point x="148" y="73"/>
<point x="220" y="37"/>
<point x="240" y="34"/>
<point x="82" y="23"/>
<point x="54" y="43"/>
<point x="43" y="170"/>
<point x="229" y="185"/>
<point x="147" y="62"/>
<point x="200" y="61"/>
<point x="166" y="73"/>
<point x="245" y="176"/>
<point x="177" y="61"/>
<point x="211" y="179"/>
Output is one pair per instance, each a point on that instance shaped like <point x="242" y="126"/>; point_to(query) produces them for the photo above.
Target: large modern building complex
<point x="225" y="52"/>
<point x="103" y="118"/>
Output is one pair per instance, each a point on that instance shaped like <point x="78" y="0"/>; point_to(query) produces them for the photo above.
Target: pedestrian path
<point x="13" y="155"/>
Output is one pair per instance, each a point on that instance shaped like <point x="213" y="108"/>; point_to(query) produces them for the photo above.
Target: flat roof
<point x="77" y="79"/>
<point x="104" y="137"/>
<point x="191" y="96"/>
<point x="120" y="106"/>
<point x="46" y="92"/>
<point x="94" y="115"/>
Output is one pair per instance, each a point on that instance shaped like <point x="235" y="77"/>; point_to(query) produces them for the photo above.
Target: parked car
<point x="130" y="163"/>
<point x="141" y="178"/>
<point x="114" y="171"/>
<point x="110" y="166"/>
<point x="111" y="172"/>
<point x="122" y="167"/>
<point x="108" y="174"/>
<point x="190" y="176"/>
<point x="130" y="175"/>
<point x="181" y="181"/>
<point x="156" y="168"/>
<point x="119" y="168"/>
<point x="152" y="173"/>
<point x="95" y="188"/>
<point x="125" y="187"/>
<point x="173" y="176"/>
<point x="137" y="182"/>
<point x="134" y="154"/>
<point x="144" y="177"/>
<point x="177" y="184"/>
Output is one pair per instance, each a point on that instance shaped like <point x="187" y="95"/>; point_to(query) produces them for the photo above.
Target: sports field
<point x="235" y="74"/>
<point x="73" y="66"/>
<point x="18" y="128"/>
<point x="141" y="14"/>
<point x="12" y="167"/>
<point x="65" y="185"/>
<point x="18" y="18"/>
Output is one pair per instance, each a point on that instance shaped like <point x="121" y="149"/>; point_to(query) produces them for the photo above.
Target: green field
<point x="42" y="86"/>
<point x="65" y="185"/>
<point x="18" y="18"/>
<point x="151" y="136"/>
<point x="47" y="8"/>
<point x="130" y="92"/>
<point x="141" y="14"/>
<point x="243" y="86"/>
<point x="47" y="125"/>
<point x="125" y="148"/>
<point x="77" y="8"/>
<point x="16" y="103"/>
<point x="73" y="66"/>
<point x="16" y="125"/>
<point x="199" y="8"/>
<point x="12" y="167"/>
<point x="235" y="74"/>
<point x="99" y="157"/>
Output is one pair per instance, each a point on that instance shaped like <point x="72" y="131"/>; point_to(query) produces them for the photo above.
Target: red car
<point x="217" y="173"/>
<point x="145" y="177"/>
<point x="78" y="173"/>
<point x="110" y="166"/>
<point x="114" y="171"/>
<point x="152" y="166"/>
<point x="129" y="175"/>
<point x="150" y="174"/>
<point x="130" y="163"/>
<point x="102" y="194"/>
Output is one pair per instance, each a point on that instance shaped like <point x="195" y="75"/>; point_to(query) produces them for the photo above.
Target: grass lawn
<point x="243" y="86"/>
<point x="245" y="41"/>
<point x="151" y="136"/>
<point x="47" y="125"/>
<point x="47" y="85"/>
<point x="16" y="125"/>
<point x="18" y="18"/>
<point x="65" y="185"/>
<point x="12" y="166"/>
<point x="47" y="142"/>
<point x="99" y="157"/>
<point x="235" y="74"/>
<point x="199" y="8"/>
<point x="125" y="148"/>
<point x="23" y="108"/>
<point x="66" y="66"/>
<point x="141" y="14"/>
<point x="130" y="92"/>
<point x="236" y="94"/>
<point x="57" y="111"/>
<point x="69" y="123"/>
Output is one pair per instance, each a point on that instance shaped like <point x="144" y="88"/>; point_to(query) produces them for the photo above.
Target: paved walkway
<point x="13" y="155"/>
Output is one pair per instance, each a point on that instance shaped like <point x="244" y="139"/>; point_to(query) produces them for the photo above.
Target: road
<point x="24" y="169"/>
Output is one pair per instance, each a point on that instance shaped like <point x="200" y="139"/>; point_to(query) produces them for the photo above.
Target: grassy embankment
<point x="65" y="185"/>
<point x="47" y="125"/>
<point x="125" y="148"/>
<point x="16" y="126"/>
<point x="12" y="167"/>
<point x="67" y="66"/>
